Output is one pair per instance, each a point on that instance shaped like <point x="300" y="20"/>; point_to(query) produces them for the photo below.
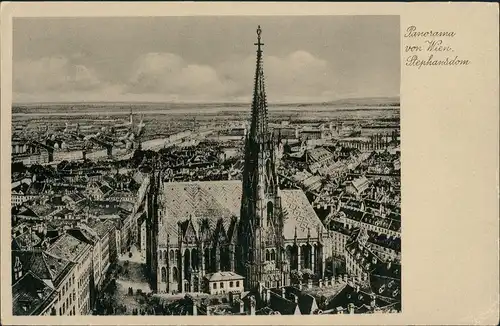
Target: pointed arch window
<point x="270" y="213"/>
<point x="163" y="274"/>
<point x="175" y="274"/>
<point x="269" y="173"/>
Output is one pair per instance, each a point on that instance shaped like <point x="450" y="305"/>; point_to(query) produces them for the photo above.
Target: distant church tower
<point x="260" y="231"/>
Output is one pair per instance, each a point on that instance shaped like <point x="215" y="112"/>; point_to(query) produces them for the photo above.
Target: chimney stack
<point x="373" y="302"/>
<point x="252" y="306"/>
<point x="263" y="295"/>
<point x="242" y="306"/>
<point x="351" y="308"/>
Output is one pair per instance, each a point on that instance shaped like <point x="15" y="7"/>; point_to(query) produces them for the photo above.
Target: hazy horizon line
<point x="388" y="98"/>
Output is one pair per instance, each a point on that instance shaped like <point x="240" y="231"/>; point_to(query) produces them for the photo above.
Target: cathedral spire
<point x="260" y="225"/>
<point x="258" y="127"/>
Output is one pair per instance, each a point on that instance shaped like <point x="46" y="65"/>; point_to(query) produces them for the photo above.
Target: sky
<point x="204" y="59"/>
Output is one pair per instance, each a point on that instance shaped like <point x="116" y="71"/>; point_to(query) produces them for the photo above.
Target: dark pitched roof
<point x="44" y="265"/>
<point x="386" y="280"/>
<point x="283" y="305"/>
<point x="83" y="234"/>
<point x="21" y="188"/>
<point x="30" y="295"/>
<point x="307" y="303"/>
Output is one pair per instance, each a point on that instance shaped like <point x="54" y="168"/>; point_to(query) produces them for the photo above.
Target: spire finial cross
<point x="259" y="44"/>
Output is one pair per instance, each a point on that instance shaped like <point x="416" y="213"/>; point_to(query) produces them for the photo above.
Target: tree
<point x="296" y="276"/>
<point x="307" y="273"/>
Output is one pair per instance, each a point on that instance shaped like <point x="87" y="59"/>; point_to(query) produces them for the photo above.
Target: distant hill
<point x="364" y="101"/>
<point x="342" y="103"/>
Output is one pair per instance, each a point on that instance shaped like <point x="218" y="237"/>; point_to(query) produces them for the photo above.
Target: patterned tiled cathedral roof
<point x="207" y="204"/>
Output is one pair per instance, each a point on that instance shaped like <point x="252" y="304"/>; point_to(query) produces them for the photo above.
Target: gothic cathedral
<point x="260" y="228"/>
<point x="198" y="229"/>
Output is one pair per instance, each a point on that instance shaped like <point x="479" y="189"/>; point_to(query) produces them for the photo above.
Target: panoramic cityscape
<point x="249" y="197"/>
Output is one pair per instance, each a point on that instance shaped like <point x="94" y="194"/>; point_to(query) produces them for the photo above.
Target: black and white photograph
<point x="206" y="165"/>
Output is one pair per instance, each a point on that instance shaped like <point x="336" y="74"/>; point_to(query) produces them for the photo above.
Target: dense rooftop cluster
<point x="59" y="210"/>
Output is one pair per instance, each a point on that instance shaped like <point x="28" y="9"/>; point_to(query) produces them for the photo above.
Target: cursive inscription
<point x="413" y="32"/>
<point x="429" y="48"/>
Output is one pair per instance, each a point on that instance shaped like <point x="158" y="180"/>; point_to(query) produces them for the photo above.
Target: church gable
<point x="220" y="234"/>
<point x="206" y="230"/>
<point x="206" y="201"/>
<point x="232" y="232"/>
<point x="189" y="234"/>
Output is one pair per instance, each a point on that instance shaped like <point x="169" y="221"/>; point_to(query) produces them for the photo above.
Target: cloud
<point x="170" y="75"/>
<point x="53" y="74"/>
<point x="298" y="76"/>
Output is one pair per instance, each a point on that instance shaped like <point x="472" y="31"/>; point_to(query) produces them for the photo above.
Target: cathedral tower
<point x="260" y="234"/>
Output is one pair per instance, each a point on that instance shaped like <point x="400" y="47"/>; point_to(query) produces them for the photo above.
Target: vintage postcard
<point x="243" y="163"/>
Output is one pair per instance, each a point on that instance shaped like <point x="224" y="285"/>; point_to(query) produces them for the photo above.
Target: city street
<point x="131" y="275"/>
